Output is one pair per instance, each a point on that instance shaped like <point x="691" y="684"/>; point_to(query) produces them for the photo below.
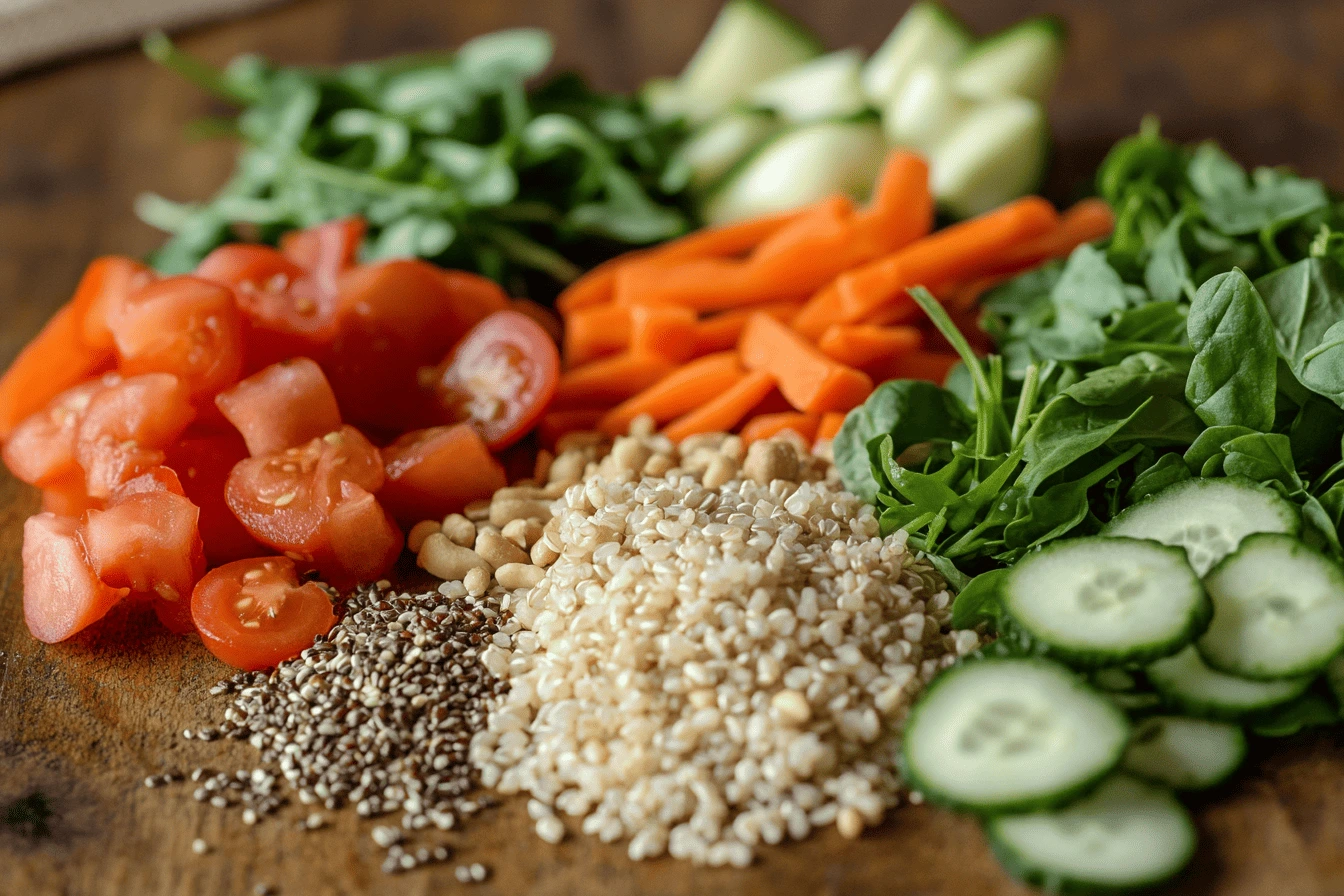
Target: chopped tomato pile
<point x="278" y="415"/>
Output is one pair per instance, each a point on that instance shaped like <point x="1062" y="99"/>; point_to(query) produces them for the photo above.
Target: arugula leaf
<point x="1067" y="431"/>
<point x="1233" y="374"/>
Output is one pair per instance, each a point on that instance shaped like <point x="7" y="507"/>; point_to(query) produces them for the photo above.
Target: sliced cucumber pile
<point x="1184" y="753"/>
<point x="973" y="110"/>
<point x="1126" y="835"/>
<point x="1188" y="684"/>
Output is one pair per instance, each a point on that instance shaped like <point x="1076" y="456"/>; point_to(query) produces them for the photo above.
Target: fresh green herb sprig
<point x="448" y="157"/>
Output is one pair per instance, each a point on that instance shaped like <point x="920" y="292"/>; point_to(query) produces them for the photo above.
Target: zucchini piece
<point x="1126" y="835"/>
<point x="1186" y="682"/>
<point x="1010" y="734"/>
<point x="996" y="154"/>
<point x="826" y="87"/>
<point x="1184" y="753"/>
<point x="1207" y="517"/>
<point x="749" y="42"/>
<point x="1278" y="609"/>
<point x="926" y="110"/>
<point x="799" y="167"/>
<point x="1022" y="60"/>
<point x="927" y="34"/>
<point x="716" y="147"/>
<point x="1096" y="602"/>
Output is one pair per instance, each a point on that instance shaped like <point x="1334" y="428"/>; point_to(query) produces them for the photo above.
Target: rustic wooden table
<point x="86" y="721"/>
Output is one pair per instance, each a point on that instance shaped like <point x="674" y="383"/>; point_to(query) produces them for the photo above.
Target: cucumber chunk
<point x="1127" y="834"/>
<point x="799" y="167"/>
<point x="1207" y="517"/>
<point x="926" y="35"/>
<point x="749" y="42"/>
<point x="1021" y="61"/>
<point x="994" y="155"/>
<point x="1100" y="601"/>
<point x="663" y="98"/>
<point x="1278" y="609"/>
<point x="1185" y="753"/>
<point x="1010" y="734"/>
<point x="716" y="147"/>
<point x="925" y="111"/>
<point x="1186" y="682"/>
<point x="826" y="87"/>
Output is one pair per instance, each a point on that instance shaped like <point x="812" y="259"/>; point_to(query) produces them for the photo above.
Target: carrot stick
<point x="608" y="381"/>
<point x="1084" y="221"/>
<point x="726" y="410"/>
<point x="918" y="365"/>
<point x="810" y="381"/>
<point x="768" y="426"/>
<point x="728" y="241"/>
<point x="830" y="425"/>
<point x="704" y="284"/>
<point x="670" y="333"/>
<point x="859" y="345"/>
<point x="721" y="332"/>
<point x="595" y="287"/>
<point x="901" y="209"/>
<point x="961" y="251"/>
<point x="820" y="220"/>
<point x="595" y="331"/>
<point x="557" y="423"/>
<point x="678" y="393"/>
<point x="821" y="312"/>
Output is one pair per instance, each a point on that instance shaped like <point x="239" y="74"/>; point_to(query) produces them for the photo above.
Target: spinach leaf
<point x="1209" y="445"/>
<point x="1232" y="377"/>
<point x="1264" y="458"/>
<point x="1167" y="274"/>
<point x="979" y="601"/>
<point x="1066" y="431"/>
<point x="1168" y="469"/>
<point x="1236" y="206"/>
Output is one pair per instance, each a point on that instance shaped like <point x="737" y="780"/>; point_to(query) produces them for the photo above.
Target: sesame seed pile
<point x="718" y="656"/>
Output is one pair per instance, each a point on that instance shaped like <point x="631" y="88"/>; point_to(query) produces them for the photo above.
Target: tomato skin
<point x="203" y="461"/>
<point x="500" y="378"/>
<point x="186" y="326"/>
<point x="147" y="542"/>
<point x="285" y="405"/>
<point x="125" y="427"/>
<point x="152" y="482"/>
<point x="278" y="618"/>
<point x="325" y="251"/>
<point x="175" y="615"/>
<point x="365" y="542"/>
<point x="61" y="593"/>
<point x="285" y="500"/>
<point x="434" y="472"/>
<point x="107" y="283"/>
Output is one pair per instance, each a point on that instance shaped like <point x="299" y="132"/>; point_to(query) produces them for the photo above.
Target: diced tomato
<point x="434" y="472"/>
<point x="365" y="542"/>
<point x="155" y="481"/>
<point x="69" y="498"/>
<point x="254" y="614"/>
<point x="325" y="251"/>
<point x="500" y="378"/>
<point x="41" y="450"/>
<point x="61" y="592"/>
<point x="107" y="283"/>
<point x="175" y="615"/>
<point x="286" y="499"/>
<point x="186" y="326"/>
<point x="126" y="426"/>
<point x="148" y="542"/>
<point x="203" y="461"/>
<point x="285" y="405"/>
<point x="393" y="319"/>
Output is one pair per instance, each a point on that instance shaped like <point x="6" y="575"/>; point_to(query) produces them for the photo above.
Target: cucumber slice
<point x="1020" y="61"/>
<point x="826" y="87"/>
<point x="1185" y="681"/>
<point x="799" y="167"/>
<point x="715" y="148"/>
<point x="1185" y="753"/>
<point x="664" y="99"/>
<point x="1207" y="517"/>
<point x="1098" y="601"/>
<point x="749" y="42"/>
<point x="1010" y="734"/>
<point x="1278" y="609"/>
<point x="996" y="154"/>
<point x="926" y="110"/>
<point x="926" y="35"/>
<point x="1126" y="835"/>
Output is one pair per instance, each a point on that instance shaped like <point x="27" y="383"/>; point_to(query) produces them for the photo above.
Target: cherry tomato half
<point x="500" y="378"/>
<point x="254" y="614"/>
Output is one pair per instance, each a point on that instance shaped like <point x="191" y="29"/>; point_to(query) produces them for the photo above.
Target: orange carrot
<point x="768" y="426"/>
<point x="557" y="423"/>
<point x="821" y="220"/>
<point x="810" y="381"/>
<point x="859" y="345"/>
<point x="55" y="360"/>
<point x="830" y="425"/>
<point x="918" y="365"/>
<point x="721" y="331"/>
<point x="608" y="381"/>
<point x="704" y="284"/>
<point x="595" y="287"/>
<point x="961" y="251"/>
<point x="595" y="331"/>
<point x="726" y="410"/>
<point x="667" y="332"/>
<point x="680" y="392"/>
<point x="822" y="311"/>
<point x="1084" y="221"/>
<point x="727" y="241"/>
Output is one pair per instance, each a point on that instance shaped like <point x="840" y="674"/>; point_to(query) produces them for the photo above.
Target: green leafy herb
<point x="1232" y="376"/>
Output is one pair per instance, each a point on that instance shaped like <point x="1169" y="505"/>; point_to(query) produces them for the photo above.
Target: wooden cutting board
<point x="85" y="722"/>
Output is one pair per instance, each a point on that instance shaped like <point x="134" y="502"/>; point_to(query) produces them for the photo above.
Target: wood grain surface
<point x="84" y="722"/>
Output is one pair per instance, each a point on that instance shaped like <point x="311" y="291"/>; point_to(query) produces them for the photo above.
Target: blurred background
<point x="87" y="123"/>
